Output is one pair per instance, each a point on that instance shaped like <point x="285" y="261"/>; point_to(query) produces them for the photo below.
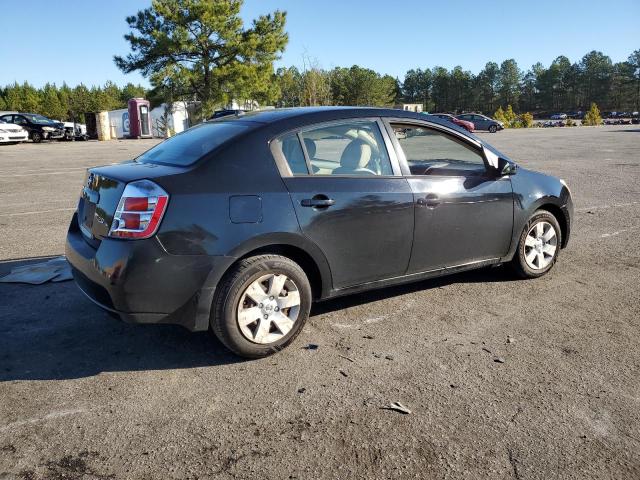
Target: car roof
<point x="307" y="115"/>
<point x="278" y="114"/>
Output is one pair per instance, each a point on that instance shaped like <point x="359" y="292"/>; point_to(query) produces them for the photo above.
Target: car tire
<point x="538" y="246"/>
<point x="36" y="137"/>
<point x="493" y="128"/>
<point x="249" y="315"/>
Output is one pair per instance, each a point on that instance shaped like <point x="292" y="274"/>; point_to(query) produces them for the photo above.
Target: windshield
<point x="39" y="119"/>
<point x="191" y="145"/>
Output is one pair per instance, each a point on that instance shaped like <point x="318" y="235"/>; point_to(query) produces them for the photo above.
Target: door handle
<point x="315" y="202"/>
<point x="430" y="201"/>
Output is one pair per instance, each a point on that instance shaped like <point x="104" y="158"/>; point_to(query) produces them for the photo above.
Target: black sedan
<point x="238" y="225"/>
<point x="39" y="127"/>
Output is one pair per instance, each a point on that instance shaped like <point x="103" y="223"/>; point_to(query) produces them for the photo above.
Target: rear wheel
<point x="539" y="246"/>
<point x="36" y="137"/>
<point x="493" y="129"/>
<point x="261" y="305"/>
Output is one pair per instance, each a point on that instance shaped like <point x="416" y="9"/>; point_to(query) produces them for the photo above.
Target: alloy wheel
<point x="540" y="245"/>
<point x="268" y="308"/>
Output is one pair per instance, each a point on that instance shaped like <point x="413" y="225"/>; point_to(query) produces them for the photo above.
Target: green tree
<point x="509" y="78"/>
<point x="460" y="83"/>
<point x="205" y="46"/>
<point x="592" y="117"/>
<point x="289" y="81"/>
<point x="51" y="105"/>
<point x="634" y="62"/>
<point x="510" y="118"/>
<point x="499" y="116"/>
<point x="530" y="95"/>
<point x="22" y="98"/>
<point x="595" y="70"/>
<point x="441" y="90"/>
<point x="416" y="87"/>
<point x="487" y="87"/>
<point x="130" y="91"/>
<point x="525" y="120"/>
<point x="362" y="86"/>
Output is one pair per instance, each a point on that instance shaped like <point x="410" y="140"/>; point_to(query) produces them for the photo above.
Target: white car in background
<point x="10" y="133"/>
<point x="75" y="131"/>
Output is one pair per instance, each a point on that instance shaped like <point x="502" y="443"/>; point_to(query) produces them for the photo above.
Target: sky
<point x="75" y="41"/>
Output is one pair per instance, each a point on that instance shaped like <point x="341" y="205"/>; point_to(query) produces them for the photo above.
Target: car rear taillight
<point x="140" y="210"/>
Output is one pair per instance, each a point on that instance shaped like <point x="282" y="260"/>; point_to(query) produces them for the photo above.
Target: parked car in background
<point x="467" y="125"/>
<point x="226" y="112"/>
<point x="39" y="127"/>
<point x="559" y="116"/>
<point x="10" y="133"/>
<point x="238" y="225"/>
<point x="75" y="131"/>
<point x="482" y="122"/>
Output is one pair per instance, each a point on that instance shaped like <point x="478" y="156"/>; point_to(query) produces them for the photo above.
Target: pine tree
<point x="592" y="117"/>
<point x="499" y="116"/>
<point x="202" y="47"/>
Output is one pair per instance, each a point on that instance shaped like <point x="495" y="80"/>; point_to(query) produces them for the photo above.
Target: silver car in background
<point x="482" y="122"/>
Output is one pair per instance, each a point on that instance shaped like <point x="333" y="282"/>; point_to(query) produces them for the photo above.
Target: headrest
<point x="356" y="155"/>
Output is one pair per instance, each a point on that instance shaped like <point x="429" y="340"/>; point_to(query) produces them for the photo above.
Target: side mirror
<point x="505" y="167"/>
<point x="500" y="165"/>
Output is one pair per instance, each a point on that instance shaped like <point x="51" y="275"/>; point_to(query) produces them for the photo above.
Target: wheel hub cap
<point x="268" y="308"/>
<point x="540" y="245"/>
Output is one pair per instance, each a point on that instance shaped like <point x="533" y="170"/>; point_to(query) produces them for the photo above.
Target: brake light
<point x="140" y="210"/>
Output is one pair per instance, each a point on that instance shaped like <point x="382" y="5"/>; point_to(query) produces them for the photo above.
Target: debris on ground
<point x="397" y="407"/>
<point x="343" y="373"/>
<point x="368" y="337"/>
<point x="486" y="349"/>
<point x="389" y="357"/>
<point x="302" y="390"/>
<point x="498" y="360"/>
<point x="311" y="346"/>
<point x="55" y="270"/>
<point x="510" y="339"/>
<point x="347" y="358"/>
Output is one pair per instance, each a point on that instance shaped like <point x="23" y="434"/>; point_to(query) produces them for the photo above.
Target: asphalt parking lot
<point x="85" y="396"/>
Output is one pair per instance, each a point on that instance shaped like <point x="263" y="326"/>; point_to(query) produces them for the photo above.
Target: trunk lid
<point x="102" y="190"/>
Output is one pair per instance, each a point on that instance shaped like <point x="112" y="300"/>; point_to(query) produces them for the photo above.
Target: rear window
<point x="191" y="145"/>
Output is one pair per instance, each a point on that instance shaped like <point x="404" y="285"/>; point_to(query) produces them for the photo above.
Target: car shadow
<point x="52" y="332"/>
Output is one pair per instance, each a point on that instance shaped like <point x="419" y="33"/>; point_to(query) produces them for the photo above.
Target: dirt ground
<point x="83" y="396"/>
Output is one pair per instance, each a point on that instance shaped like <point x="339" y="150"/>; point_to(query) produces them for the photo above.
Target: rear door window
<point x="347" y="148"/>
<point x="191" y="145"/>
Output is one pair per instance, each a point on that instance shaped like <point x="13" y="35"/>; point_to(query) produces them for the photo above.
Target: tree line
<point x="65" y="102"/>
<point x="562" y="86"/>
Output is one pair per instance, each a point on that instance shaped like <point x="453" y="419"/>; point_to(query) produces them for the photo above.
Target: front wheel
<point x="36" y="137"/>
<point x="538" y="247"/>
<point x="493" y="129"/>
<point x="261" y="305"/>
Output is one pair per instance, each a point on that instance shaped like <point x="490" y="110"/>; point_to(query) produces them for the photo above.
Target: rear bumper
<point x="138" y="281"/>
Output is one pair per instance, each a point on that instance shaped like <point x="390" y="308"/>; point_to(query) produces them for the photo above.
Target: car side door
<point x="350" y="197"/>
<point x="481" y="123"/>
<point x="22" y="121"/>
<point x="463" y="207"/>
